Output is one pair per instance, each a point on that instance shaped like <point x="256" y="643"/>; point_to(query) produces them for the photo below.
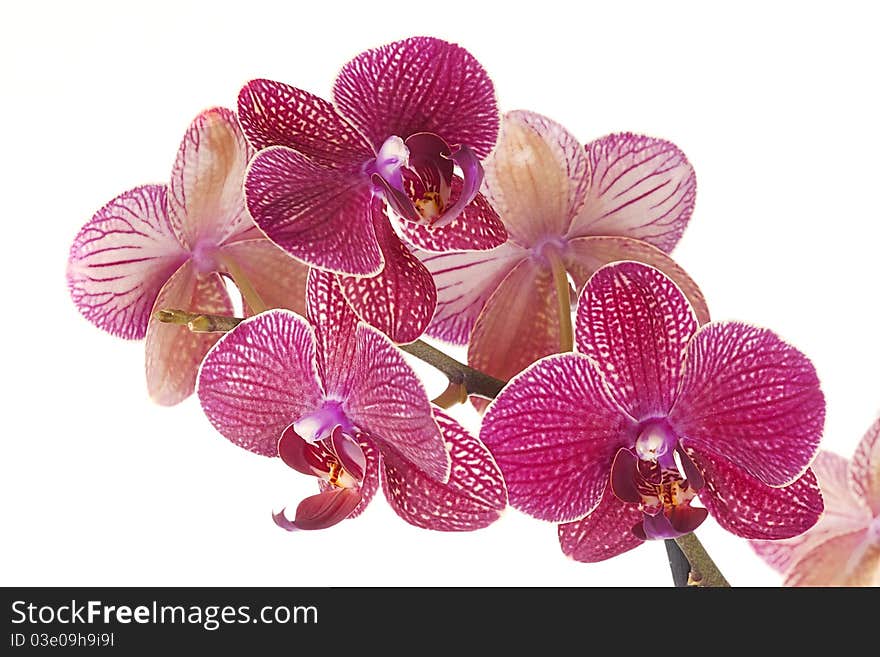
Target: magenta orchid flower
<point x="337" y="401"/>
<point x="402" y="117"/>
<point x="623" y="197"/>
<point x="159" y="246"/>
<point x="617" y="441"/>
<point x="843" y="548"/>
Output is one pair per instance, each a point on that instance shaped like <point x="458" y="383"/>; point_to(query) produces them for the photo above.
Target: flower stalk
<point x="703" y="571"/>
<point x="563" y="300"/>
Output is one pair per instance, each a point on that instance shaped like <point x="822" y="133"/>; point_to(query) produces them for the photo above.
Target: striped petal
<point x="605" y="533"/>
<point x="335" y="326"/>
<point x="173" y="352"/>
<point x="205" y="199"/>
<point x="121" y="259"/>
<point x="865" y="469"/>
<point x="752" y="398"/>
<point x="474" y="497"/>
<point x="536" y="177"/>
<point x="420" y="84"/>
<point x="636" y="324"/>
<point x="554" y="431"/>
<point x="320" y="215"/>
<point x="259" y="379"/>
<point x="278" y="278"/>
<point x="845" y="560"/>
<point x="638" y="187"/>
<point x="275" y="114"/>
<point x="400" y="300"/>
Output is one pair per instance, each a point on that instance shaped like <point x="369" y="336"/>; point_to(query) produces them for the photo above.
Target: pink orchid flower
<point x="337" y="401"/>
<point x="617" y="440"/>
<point x="402" y="117"/>
<point x="843" y="548"/>
<point x="159" y="246"/>
<point x="568" y="210"/>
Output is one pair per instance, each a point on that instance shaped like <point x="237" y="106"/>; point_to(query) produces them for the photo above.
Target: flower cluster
<point x="406" y="205"/>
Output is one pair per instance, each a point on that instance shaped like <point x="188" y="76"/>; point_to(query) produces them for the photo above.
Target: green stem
<point x="704" y="572"/>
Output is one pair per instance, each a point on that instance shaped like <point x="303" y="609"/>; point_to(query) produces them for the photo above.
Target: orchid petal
<point x="535" y="177"/>
<point x="419" y="84"/>
<point x="308" y="458"/>
<point x="205" y="200"/>
<point x="319" y="215"/>
<point x="604" y="533"/>
<point x="276" y="114"/>
<point x="259" y="378"/>
<point x="623" y="476"/>
<point x="278" y="278"/>
<point x="518" y="325"/>
<point x="464" y="282"/>
<point x="350" y="454"/>
<point x="586" y="255"/>
<point x="472" y="178"/>
<point x="370" y="484"/>
<point x="388" y="402"/>
<point x="751" y="397"/>
<point x="636" y="323"/>
<point x="173" y="352"/>
<point x="121" y="259"/>
<point x="335" y="325"/>
<point x="554" y="431"/>
<point x="398" y="200"/>
<point x="638" y="187"/>
<point x="474" y="497"/>
<point x="865" y="470"/>
<point x="399" y="301"/>
<point x="322" y="510"/>
<point x="844" y="560"/>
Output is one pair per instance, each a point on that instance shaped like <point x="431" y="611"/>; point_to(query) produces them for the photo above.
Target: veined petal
<point x="464" y="282"/>
<point x="554" y="431"/>
<point x="276" y="114"/>
<point x="636" y="324"/>
<point x="638" y="187"/>
<point x="259" y="379"/>
<point x="322" y="510"/>
<point x="173" y="352"/>
<point x="519" y="323"/>
<point x="335" y="327"/>
<point x="318" y="214"/>
<point x="745" y="506"/>
<point x="536" y="177"/>
<point x="474" y="497"/>
<point x="586" y="255"/>
<point x="865" y="469"/>
<point x="278" y="278"/>
<point x="400" y="300"/>
<point x="121" y="259"/>
<point x="604" y="533"/>
<point x="388" y="402"/>
<point x="205" y="200"/>
<point x="419" y="84"/>
<point x="749" y="396"/>
<point x="844" y="560"/>
<point x="370" y="483"/>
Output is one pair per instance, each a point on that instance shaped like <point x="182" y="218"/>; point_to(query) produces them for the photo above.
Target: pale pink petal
<point x="400" y="300"/>
<point x="585" y="255"/>
<point x="844" y="560"/>
<point x="605" y="533"/>
<point x="370" y="484"/>
<point x="318" y="214"/>
<point x="173" y="352"/>
<point x="389" y="403"/>
<point x="419" y="84"/>
<point x="865" y="469"/>
<point x="121" y="259"/>
<point x="535" y="178"/>
<point x="745" y="506"/>
<point x="474" y="497"/>
<point x="278" y="278"/>
<point x="638" y="187"/>
<point x="205" y="200"/>
<point x="259" y="379"/>
<point x="519" y="323"/>
<point x="275" y="114"/>
<point x="465" y="281"/>
<point x="636" y="324"/>
<point x="322" y="510"/>
<point x="335" y="327"/>
<point x="752" y="398"/>
<point x="554" y="431"/>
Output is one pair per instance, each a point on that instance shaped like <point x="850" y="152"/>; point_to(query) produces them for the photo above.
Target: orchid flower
<point x="159" y="246"/>
<point x="335" y="399"/>
<point x="618" y="440"/>
<point x="843" y="548"/>
<point x="403" y="116"/>
<point x="568" y="210"/>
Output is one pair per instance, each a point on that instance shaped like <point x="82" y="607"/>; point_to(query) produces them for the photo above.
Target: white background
<point x="776" y="106"/>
